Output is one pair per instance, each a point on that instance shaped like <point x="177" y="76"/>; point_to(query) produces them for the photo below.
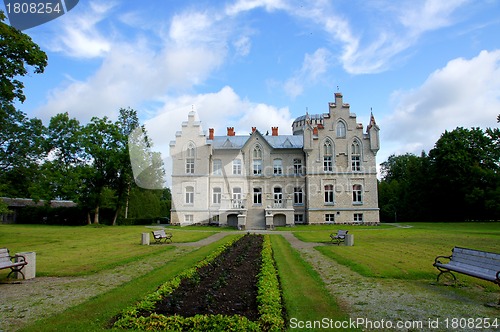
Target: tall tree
<point x="101" y="142"/>
<point x="465" y="166"/>
<point x="19" y="136"/>
<point x="17" y="51"/>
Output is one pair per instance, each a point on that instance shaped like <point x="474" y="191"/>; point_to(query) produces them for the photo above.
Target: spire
<point x="372" y="120"/>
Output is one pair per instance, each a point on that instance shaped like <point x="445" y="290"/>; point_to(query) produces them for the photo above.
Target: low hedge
<point x="268" y="298"/>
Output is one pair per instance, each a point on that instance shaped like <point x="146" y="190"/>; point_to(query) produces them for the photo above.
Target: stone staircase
<point x="255" y="219"/>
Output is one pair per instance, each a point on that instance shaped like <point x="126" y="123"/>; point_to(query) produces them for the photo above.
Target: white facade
<point x="324" y="173"/>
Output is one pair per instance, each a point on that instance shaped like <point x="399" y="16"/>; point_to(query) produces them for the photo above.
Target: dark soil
<point x="227" y="286"/>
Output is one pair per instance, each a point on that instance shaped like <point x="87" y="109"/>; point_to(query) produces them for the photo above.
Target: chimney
<point x="254" y="129"/>
<point x="315" y="131"/>
<point x="275" y="131"/>
<point x="211" y="134"/>
<point x="230" y="131"/>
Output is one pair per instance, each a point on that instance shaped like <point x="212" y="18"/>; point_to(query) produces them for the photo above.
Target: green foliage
<point x="269" y="291"/>
<point x="18" y="51"/>
<point x="269" y="302"/>
<point x="459" y="180"/>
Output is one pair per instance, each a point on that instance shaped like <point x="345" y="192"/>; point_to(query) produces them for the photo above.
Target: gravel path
<point x="379" y="300"/>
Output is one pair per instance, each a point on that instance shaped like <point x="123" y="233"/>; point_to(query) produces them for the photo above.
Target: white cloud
<point x="241" y="6"/>
<point x="313" y="68"/>
<point x="217" y="110"/>
<point x="135" y="71"/>
<point x="465" y="93"/>
<point x="78" y="35"/>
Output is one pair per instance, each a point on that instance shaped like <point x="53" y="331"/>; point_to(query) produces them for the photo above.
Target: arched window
<point x="341" y="130"/>
<point x="328" y="156"/>
<point x="355" y="156"/>
<point x="257" y="152"/>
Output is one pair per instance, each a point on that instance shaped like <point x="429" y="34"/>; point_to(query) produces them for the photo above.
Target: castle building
<point x="324" y="173"/>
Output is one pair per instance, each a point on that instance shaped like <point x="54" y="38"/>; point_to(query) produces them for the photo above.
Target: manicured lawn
<point x="80" y="250"/>
<point x="404" y="253"/>
<point x="96" y="314"/>
<point x="382" y="251"/>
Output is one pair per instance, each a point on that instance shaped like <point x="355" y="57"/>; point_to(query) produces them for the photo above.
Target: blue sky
<point x="423" y="67"/>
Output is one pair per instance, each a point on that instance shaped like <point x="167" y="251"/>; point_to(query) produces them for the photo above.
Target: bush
<point x="268" y="298"/>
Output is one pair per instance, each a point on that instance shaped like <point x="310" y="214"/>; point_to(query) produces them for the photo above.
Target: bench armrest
<point x="436" y="260"/>
<point x="18" y="259"/>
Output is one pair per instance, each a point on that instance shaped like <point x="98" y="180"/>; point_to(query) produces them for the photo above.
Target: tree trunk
<point x="88" y="218"/>
<point x="116" y="215"/>
<point x="96" y="215"/>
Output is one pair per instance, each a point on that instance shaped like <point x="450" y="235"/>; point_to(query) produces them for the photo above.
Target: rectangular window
<point x="358" y="217"/>
<point x="189" y="195"/>
<point x="356" y="163"/>
<point x="217" y="195"/>
<point x="298" y="197"/>
<point x="189" y="218"/>
<point x="297" y="166"/>
<point x="257" y="167"/>
<point x="329" y="218"/>
<point x="278" y="198"/>
<point x="357" y="197"/>
<point x="190" y="166"/>
<point x="215" y="219"/>
<point x="217" y="167"/>
<point x="237" y="167"/>
<point x="277" y="167"/>
<point x="237" y="202"/>
<point x="257" y="196"/>
<point x="327" y="164"/>
<point x="329" y="194"/>
<point x="298" y="218"/>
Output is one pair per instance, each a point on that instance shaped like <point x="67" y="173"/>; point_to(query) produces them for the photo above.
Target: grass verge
<point x="305" y="296"/>
<point x="96" y="314"/>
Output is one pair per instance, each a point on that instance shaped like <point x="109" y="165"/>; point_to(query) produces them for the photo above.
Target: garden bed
<point x="235" y="288"/>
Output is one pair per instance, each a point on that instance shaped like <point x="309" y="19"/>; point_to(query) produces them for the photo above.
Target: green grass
<point x="81" y="250"/>
<point x="305" y="296"/>
<point x="96" y="313"/>
<point x="404" y="253"/>
<point x="379" y="252"/>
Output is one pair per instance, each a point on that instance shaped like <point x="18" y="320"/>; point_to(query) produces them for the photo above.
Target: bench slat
<point x="480" y="264"/>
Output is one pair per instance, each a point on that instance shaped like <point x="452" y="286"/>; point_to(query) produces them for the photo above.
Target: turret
<point x="373" y="132"/>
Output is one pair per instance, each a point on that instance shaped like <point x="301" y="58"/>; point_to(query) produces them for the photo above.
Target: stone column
<point x="241" y="221"/>
<point x="349" y="240"/>
<point x="29" y="269"/>
<point x="145" y="239"/>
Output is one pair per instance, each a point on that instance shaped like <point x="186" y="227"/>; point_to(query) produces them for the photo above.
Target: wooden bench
<point x="339" y="237"/>
<point x="14" y="263"/>
<point x="161" y="235"/>
<point x="475" y="263"/>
